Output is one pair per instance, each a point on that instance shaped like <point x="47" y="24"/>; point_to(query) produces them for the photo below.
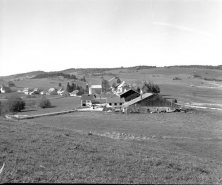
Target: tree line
<point x="55" y="74"/>
<point x="197" y="66"/>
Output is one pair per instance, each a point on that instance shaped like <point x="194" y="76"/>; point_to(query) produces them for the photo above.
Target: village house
<point x="148" y="102"/>
<point x="52" y="91"/>
<point x="120" y="88"/>
<point x="115" y="102"/>
<point x="95" y="89"/>
<point x="87" y="100"/>
<point x="5" y="89"/>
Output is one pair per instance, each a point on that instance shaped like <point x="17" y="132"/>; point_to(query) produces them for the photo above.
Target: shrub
<point x="196" y="76"/>
<point x="13" y="104"/>
<point x="176" y="78"/>
<point x="44" y="103"/>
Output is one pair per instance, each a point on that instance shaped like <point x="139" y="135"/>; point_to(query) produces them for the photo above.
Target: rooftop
<point x="143" y="96"/>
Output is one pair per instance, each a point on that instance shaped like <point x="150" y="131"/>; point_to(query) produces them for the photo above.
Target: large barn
<point x="148" y="102"/>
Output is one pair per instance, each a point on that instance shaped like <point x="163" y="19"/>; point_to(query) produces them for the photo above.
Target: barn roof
<point x="128" y="92"/>
<point x="143" y="96"/>
<point x="115" y="100"/>
<point x="88" y="97"/>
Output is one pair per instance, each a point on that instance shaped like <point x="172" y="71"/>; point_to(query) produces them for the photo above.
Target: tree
<point x="138" y="89"/>
<point x="60" y="84"/>
<point x="73" y="86"/>
<point x="114" y="84"/>
<point x="87" y="89"/>
<point x="14" y="104"/>
<point x="68" y="88"/>
<point x="105" y="85"/>
<point x="118" y="80"/>
<point x="150" y="88"/>
<point x="81" y="91"/>
<point x="44" y="103"/>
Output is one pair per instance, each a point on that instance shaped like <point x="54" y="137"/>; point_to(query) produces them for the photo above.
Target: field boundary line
<point x="20" y="117"/>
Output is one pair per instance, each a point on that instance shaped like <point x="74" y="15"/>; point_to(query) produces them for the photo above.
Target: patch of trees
<point x="73" y="87"/>
<point x="141" y="67"/>
<point x="54" y="74"/>
<point x="150" y="88"/>
<point x="213" y="79"/>
<point x="198" y="66"/>
<point x="12" y="105"/>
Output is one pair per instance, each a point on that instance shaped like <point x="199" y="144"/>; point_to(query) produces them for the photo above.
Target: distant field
<point x="179" y="89"/>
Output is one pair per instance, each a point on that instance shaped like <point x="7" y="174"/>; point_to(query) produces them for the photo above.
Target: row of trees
<point x="56" y="74"/>
<point x="198" y="66"/>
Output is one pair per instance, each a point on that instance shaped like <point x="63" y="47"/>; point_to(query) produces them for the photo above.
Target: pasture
<point x="94" y="147"/>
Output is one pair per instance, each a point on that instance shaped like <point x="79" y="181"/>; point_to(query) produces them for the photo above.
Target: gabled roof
<point x="88" y="97"/>
<point x="115" y="100"/>
<point x="143" y="96"/>
<point x="122" y="94"/>
<point x="96" y="86"/>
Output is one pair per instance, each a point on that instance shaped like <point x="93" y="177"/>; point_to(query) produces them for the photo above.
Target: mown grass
<point x="197" y="133"/>
<point x="39" y="153"/>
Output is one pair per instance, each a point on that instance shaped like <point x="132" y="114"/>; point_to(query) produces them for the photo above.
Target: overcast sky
<point x="54" y="35"/>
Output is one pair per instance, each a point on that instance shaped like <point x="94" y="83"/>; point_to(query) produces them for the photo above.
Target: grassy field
<point x="60" y="149"/>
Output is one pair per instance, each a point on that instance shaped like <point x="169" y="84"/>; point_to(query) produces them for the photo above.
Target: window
<point x="110" y="103"/>
<point x="115" y="104"/>
<point x="120" y="103"/>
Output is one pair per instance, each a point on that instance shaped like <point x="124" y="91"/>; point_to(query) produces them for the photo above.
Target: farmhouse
<point x="115" y="102"/>
<point x="129" y="95"/>
<point x="87" y="99"/>
<point x="5" y="89"/>
<point x="52" y="91"/>
<point x="122" y="87"/>
<point x="148" y="102"/>
<point x="95" y="89"/>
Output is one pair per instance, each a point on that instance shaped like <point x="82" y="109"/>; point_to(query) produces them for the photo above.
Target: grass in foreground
<point x="38" y="153"/>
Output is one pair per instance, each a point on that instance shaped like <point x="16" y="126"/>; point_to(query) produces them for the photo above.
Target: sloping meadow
<point x="34" y="152"/>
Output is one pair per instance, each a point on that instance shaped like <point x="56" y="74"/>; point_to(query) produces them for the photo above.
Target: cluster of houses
<point x="51" y="91"/>
<point x="124" y="98"/>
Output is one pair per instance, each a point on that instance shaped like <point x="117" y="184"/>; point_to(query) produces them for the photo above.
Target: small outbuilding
<point x="95" y="89"/>
<point x="5" y="89"/>
<point x="87" y="99"/>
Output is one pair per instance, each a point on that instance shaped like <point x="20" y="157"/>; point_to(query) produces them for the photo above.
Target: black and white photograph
<point x="111" y="91"/>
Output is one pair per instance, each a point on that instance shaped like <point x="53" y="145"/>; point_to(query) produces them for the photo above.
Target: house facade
<point x="115" y="102"/>
<point x="87" y="100"/>
<point x="95" y="89"/>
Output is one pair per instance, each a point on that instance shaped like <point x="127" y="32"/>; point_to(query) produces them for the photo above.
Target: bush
<point x="44" y="103"/>
<point x="13" y="104"/>
<point x="176" y="78"/>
